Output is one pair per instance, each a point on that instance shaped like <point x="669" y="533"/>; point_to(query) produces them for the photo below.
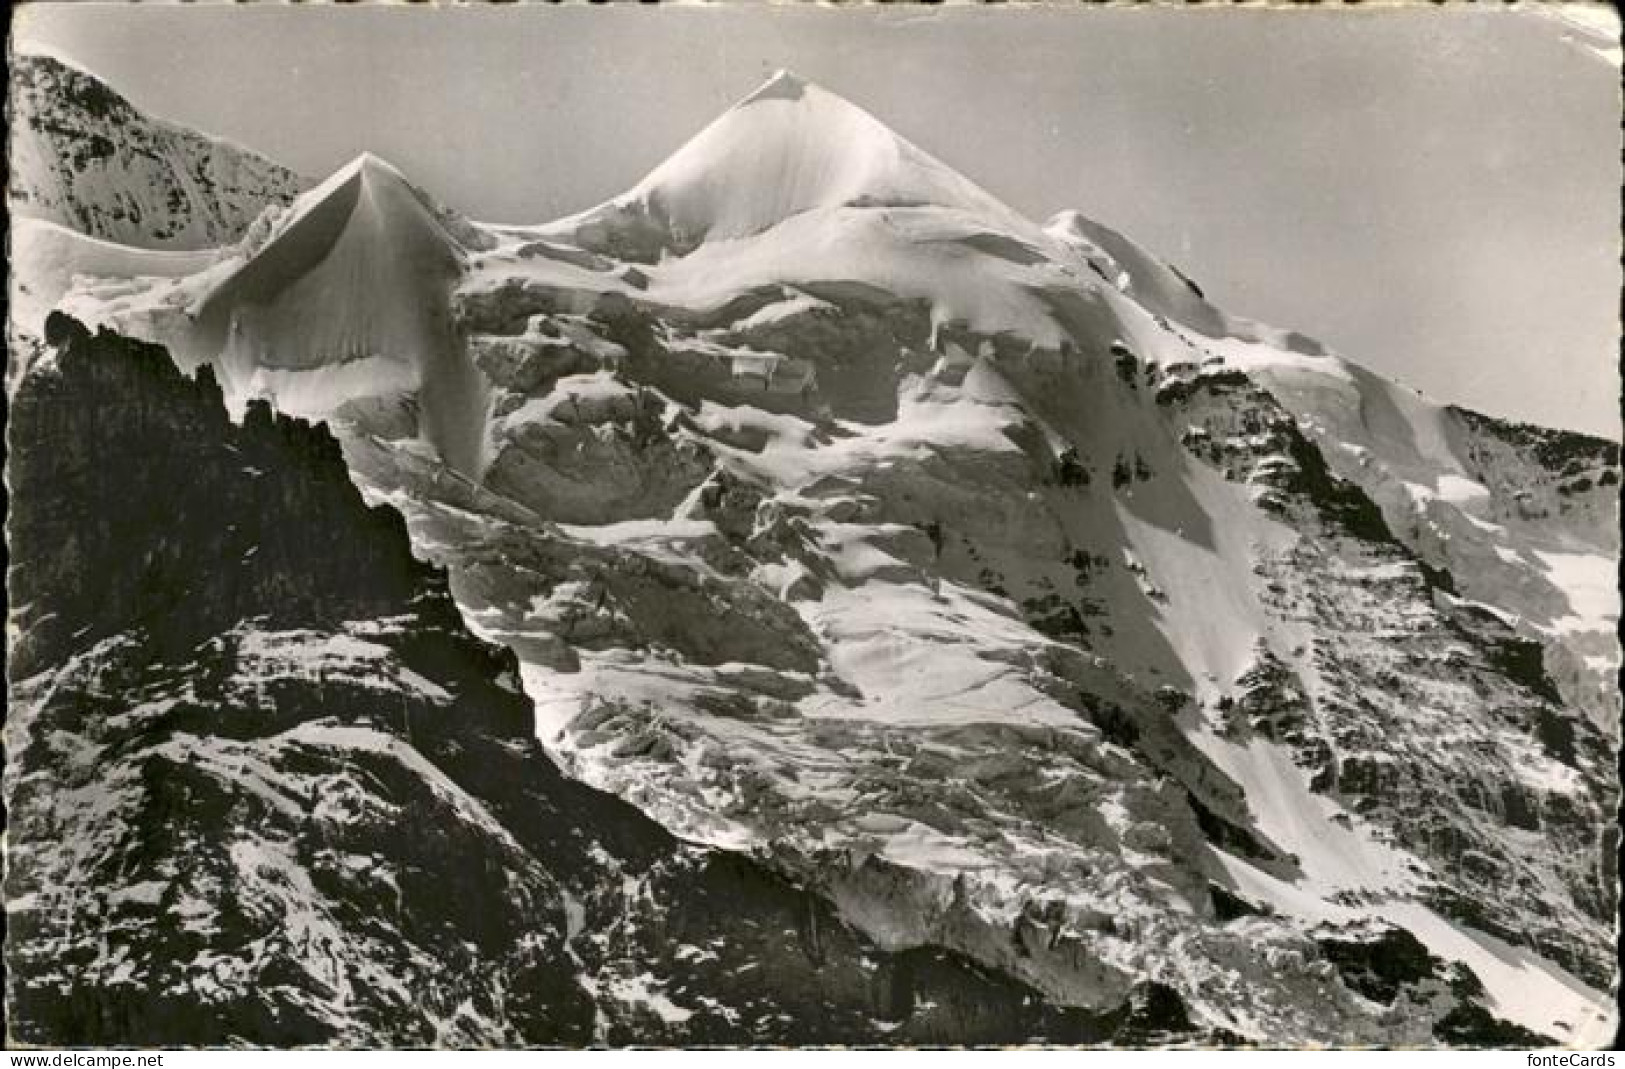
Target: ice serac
<point x="1154" y="284"/>
<point x="1161" y="288"/>
<point x="346" y="304"/>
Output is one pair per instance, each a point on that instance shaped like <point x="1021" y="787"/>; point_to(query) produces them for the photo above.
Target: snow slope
<point x="47" y="259"/>
<point x="982" y="576"/>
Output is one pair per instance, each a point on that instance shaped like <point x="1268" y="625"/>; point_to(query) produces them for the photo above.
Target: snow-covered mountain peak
<point x="787" y="148"/>
<point x="34" y="61"/>
<point x="364" y="210"/>
<point x="84" y="157"/>
<point x="366" y="159"/>
<point x="44" y="68"/>
<point x="784" y="84"/>
<point x="369" y="167"/>
<point x="346" y="298"/>
<point x="365" y="170"/>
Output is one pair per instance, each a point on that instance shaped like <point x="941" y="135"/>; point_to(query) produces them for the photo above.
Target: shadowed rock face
<point x="264" y="788"/>
<point x="202" y="522"/>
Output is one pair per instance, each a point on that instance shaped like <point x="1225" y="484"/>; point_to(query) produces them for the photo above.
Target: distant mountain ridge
<point x="83" y="157"/>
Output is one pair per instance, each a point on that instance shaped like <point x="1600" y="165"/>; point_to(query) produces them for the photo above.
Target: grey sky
<point x="1433" y="192"/>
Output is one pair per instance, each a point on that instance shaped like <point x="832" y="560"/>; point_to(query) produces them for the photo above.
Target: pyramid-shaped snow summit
<point x="789" y="147"/>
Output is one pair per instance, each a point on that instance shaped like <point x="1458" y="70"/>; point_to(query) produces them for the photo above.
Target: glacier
<point x="977" y="573"/>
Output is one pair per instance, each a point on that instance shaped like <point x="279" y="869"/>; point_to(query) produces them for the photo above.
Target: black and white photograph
<point x="752" y="525"/>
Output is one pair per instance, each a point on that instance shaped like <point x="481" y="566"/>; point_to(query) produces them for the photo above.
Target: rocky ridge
<point x="83" y="157"/>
